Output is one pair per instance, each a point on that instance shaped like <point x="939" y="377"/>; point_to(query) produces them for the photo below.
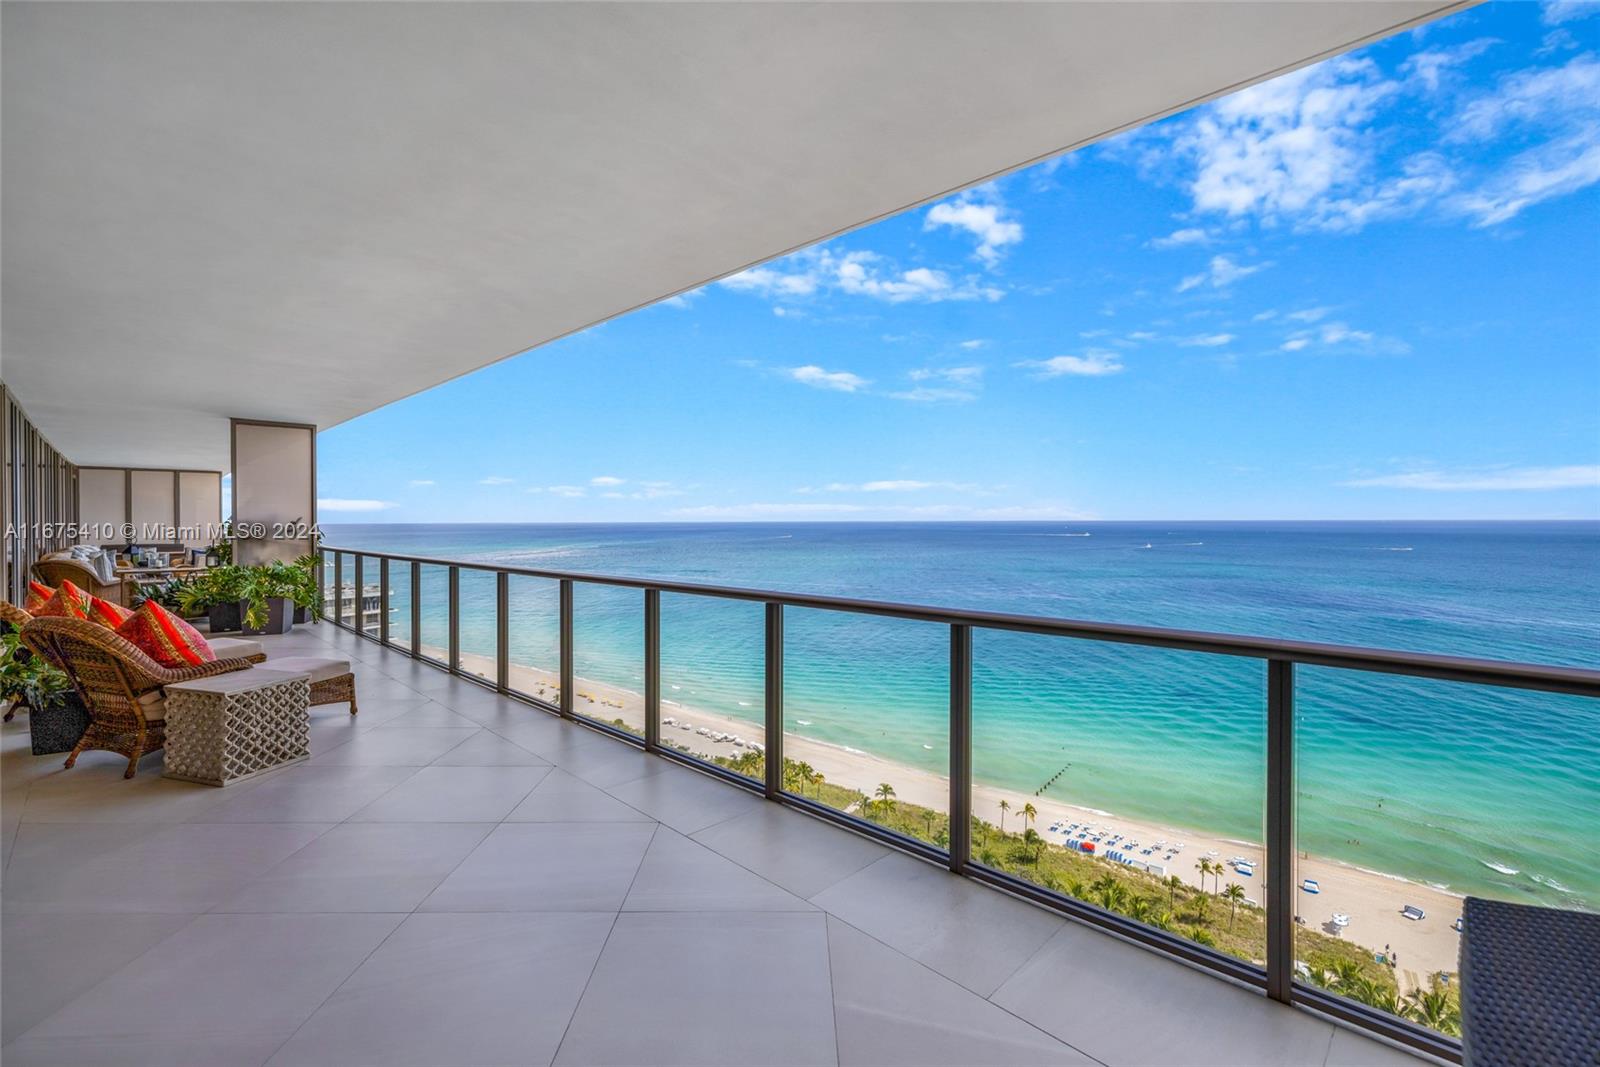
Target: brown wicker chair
<point x="14" y="618"/>
<point x="120" y="685"/>
<point x="51" y="570"/>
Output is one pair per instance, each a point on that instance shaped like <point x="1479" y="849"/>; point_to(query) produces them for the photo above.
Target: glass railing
<point x="1350" y="796"/>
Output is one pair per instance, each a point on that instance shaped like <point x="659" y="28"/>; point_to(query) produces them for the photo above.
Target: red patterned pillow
<point x="38" y="593"/>
<point x="67" y="602"/>
<point x="108" y="614"/>
<point x="166" y="638"/>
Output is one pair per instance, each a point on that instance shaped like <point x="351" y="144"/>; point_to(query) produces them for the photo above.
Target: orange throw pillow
<point x="38" y="593"/>
<point x="108" y="614"/>
<point x="166" y="638"/>
<point x="67" y="602"/>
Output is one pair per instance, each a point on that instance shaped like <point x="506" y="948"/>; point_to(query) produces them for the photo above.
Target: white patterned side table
<point x="230" y="727"/>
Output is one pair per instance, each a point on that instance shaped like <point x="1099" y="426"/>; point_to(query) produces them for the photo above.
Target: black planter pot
<point x="58" y="725"/>
<point x="280" y="617"/>
<point x="226" y="617"/>
<point x="302" y="614"/>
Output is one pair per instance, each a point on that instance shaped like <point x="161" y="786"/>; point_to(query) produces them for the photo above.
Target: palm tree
<point x="1076" y="888"/>
<point x="1165" y="921"/>
<point x="1031" y="838"/>
<point x="1005" y="806"/>
<point x="1200" y="936"/>
<point x="818" y="780"/>
<point x="1234" y="895"/>
<point x="1173" y="884"/>
<point x="806" y="774"/>
<point x="1346" y="974"/>
<point x="1029" y="813"/>
<point x="1140" y="909"/>
<point x="885" y="795"/>
<point x="1434" y="1009"/>
<point x="1113" y="897"/>
<point x="1205" y="867"/>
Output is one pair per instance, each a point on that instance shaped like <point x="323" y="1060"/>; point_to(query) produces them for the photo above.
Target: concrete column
<point x="274" y="490"/>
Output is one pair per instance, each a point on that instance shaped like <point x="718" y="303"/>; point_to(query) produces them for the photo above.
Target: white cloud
<point x="983" y="220"/>
<point x="1095" y="363"/>
<point x="1341" y="335"/>
<point x="682" y="300"/>
<point x="1430" y="67"/>
<point x="339" y="503"/>
<point x="1221" y="272"/>
<point x="868" y="274"/>
<point x="1295" y="344"/>
<point x="1210" y="340"/>
<point x="838" y="380"/>
<point x="566" y="490"/>
<point x="935" y="384"/>
<point x="1550" y="170"/>
<point x="495" y="479"/>
<point x="1192" y="235"/>
<point x="975" y="343"/>
<point x="418" y="483"/>
<point x="607" y="480"/>
<point x="890" y="485"/>
<point x="1489" y="479"/>
<point x="1308" y="314"/>
<point x="1558" y="11"/>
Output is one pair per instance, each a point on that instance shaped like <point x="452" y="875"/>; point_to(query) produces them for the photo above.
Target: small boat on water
<point x="1310" y="886"/>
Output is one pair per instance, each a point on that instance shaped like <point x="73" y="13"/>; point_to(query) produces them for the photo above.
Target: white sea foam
<point x="1502" y="868"/>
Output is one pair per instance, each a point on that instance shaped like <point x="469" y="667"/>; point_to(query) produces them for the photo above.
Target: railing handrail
<point x="1578" y="681"/>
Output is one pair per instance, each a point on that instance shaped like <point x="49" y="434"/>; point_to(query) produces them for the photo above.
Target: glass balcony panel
<point x="479" y="619"/>
<point x="1412" y="792"/>
<point x="535" y="635"/>
<point x="713" y="681"/>
<point x="1131" y="778"/>
<point x="867" y="718"/>
<point x="608" y="655"/>
<point x="400" y="604"/>
<point x="367" y="596"/>
<point x="434" y="640"/>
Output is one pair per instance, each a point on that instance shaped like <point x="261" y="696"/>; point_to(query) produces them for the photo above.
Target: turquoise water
<point x="1428" y="780"/>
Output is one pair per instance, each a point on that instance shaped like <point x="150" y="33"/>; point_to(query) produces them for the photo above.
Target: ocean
<point x="1431" y="781"/>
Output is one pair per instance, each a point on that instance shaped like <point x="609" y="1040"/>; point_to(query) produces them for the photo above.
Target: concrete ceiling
<point x="305" y="211"/>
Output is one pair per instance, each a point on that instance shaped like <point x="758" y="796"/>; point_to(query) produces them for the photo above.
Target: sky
<point x="1368" y="289"/>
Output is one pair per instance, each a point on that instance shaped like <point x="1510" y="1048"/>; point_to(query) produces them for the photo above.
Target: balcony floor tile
<point x="729" y="988"/>
<point x="547" y="867"/>
<point x="467" y="989"/>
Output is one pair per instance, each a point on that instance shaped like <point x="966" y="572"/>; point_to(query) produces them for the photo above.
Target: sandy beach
<point x="1371" y="899"/>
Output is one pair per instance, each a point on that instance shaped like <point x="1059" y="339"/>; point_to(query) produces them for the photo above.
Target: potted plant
<point x="220" y="552"/>
<point x="307" y="598"/>
<point x="56" y="715"/>
<point x="221" y="591"/>
<point x="267" y="604"/>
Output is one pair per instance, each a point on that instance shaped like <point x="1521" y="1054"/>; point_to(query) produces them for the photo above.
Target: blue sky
<point x="1369" y="289"/>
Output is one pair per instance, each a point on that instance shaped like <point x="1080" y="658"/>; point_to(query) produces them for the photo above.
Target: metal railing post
<point x="338" y="588"/>
<point x="357" y="615"/>
<point x="566" y="648"/>
<point x="652" y="670"/>
<point x="960" y="748"/>
<point x="416" y="610"/>
<point x="383" y="600"/>
<point x="1280" y="829"/>
<point x="774" y="701"/>
<point x="454" y="651"/>
<point x="322" y="590"/>
<point x="502" y="631"/>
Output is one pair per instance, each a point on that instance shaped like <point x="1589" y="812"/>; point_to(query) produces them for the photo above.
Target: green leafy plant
<point x="222" y="548"/>
<point x="25" y="675"/>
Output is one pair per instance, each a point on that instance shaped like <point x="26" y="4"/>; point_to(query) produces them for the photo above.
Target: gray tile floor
<point x="455" y="878"/>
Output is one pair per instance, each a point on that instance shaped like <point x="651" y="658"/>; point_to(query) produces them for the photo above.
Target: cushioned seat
<point x="237" y="648"/>
<point x="332" y="681"/>
<point x="321" y="668"/>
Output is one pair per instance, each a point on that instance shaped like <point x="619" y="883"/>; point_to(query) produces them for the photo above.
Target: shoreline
<point x="1372" y="899"/>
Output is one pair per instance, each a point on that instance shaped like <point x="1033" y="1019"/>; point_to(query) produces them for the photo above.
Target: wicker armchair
<point x="51" y="570"/>
<point x="120" y="685"/>
<point x="14" y="618"/>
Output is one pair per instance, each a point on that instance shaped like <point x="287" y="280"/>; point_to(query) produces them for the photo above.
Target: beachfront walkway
<point x="457" y="878"/>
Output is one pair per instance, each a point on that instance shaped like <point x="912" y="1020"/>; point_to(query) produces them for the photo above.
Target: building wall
<point x="162" y="506"/>
<point x="39" y="501"/>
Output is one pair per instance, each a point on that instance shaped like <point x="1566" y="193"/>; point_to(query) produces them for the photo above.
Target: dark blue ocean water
<point x="1424" y="779"/>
